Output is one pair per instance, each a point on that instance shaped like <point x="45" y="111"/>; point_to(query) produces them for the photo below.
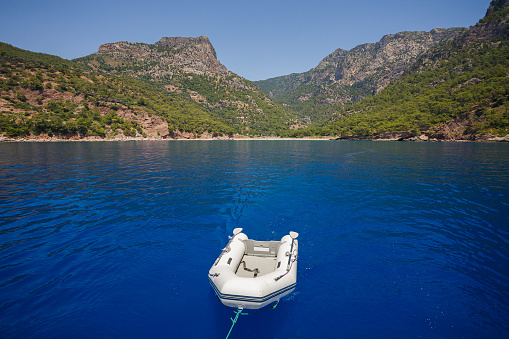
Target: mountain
<point x="174" y="88"/>
<point x="44" y="96"/>
<point x="189" y="68"/>
<point x="457" y="90"/>
<point x="446" y="84"/>
<point x="166" y="58"/>
<point x="350" y="76"/>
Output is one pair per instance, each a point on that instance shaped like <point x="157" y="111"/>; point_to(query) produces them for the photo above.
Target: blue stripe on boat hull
<point x="244" y="298"/>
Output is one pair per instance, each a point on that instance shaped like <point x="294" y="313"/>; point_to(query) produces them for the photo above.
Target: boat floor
<point x="263" y="264"/>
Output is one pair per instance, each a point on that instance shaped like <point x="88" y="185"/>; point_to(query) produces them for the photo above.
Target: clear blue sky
<point x="255" y="39"/>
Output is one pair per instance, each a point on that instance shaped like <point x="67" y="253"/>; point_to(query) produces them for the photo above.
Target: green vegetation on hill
<point x="46" y="94"/>
<point x="314" y="104"/>
<point x="234" y="101"/>
<point x="455" y="90"/>
<point x="229" y="99"/>
<point x="464" y="83"/>
<point x="13" y="55"/>
<point x="345" y="77"/>
<point x="472" y="79"/>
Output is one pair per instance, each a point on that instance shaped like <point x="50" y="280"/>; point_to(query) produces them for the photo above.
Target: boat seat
<point x="261" y="248"/>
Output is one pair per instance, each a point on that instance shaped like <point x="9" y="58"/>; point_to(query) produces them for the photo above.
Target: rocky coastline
<point x="407" y="136"/>
<point x="396" y="136"/>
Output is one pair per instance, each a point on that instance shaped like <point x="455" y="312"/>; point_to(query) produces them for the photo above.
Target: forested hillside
<point x="188" y="68"/>
<point x="457" y="91"/>
<point x="45" y="95"/>
<point x="447" y="84"/>
<point x="471" y="83"/>
<point x="349" y="76"/>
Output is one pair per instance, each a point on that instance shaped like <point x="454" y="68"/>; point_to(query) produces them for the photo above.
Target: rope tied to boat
<point x="238" y="313"/>
<point x="234" y="321"/>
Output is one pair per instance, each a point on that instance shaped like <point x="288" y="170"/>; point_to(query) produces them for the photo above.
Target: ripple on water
<point x="116" y="238"/>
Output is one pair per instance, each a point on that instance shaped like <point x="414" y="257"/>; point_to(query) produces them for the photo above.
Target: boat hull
<point x="234" y="288"/>
<point x="248" y="302"/>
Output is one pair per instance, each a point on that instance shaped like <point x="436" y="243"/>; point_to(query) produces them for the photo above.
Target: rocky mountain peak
<point x="170" y="54"/>
<point x="348" y="76"/>
<point x="385" y="59"/>
<point x="178" y="42"/>
<point x="196" y="50"/>
<point x="188" y="68"/>
<point x="497" y="5"/>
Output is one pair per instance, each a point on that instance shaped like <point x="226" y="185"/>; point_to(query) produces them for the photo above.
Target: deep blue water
<point x="115" y="239"/>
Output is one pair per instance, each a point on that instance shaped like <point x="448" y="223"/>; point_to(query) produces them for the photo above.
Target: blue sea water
<point x="115" y="239"/>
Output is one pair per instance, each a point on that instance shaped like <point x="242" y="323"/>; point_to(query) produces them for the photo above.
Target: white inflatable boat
<point x="250" y="274"/>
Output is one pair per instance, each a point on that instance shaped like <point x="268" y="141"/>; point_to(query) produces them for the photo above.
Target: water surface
<point x="115" y="239"/>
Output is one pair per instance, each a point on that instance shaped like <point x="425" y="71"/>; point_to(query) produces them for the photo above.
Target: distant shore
<point x="91" y="139"/>
<point x="238" y="137"/>
<point x="13" y="140"/>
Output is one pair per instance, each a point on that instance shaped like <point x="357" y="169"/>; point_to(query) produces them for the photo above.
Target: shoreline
<point x="235" y="138"/>
<point x="94" y="139"/>
<point x="393" y="136"/>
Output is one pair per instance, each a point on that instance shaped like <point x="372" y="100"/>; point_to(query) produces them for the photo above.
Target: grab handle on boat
<point x="227" y="248"/>
<point x="294" y="236"/>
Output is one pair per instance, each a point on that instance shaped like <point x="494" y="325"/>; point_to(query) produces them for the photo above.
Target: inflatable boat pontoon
<point x="250" y="274"/>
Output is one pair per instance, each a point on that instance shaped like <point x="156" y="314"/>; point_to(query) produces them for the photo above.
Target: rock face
<point x="197" y="54"/>
<point x="473" y="65"/>
<point x="169" y="55"/>
<point x="380" y="62"/>
<point x="346" y="76"/>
